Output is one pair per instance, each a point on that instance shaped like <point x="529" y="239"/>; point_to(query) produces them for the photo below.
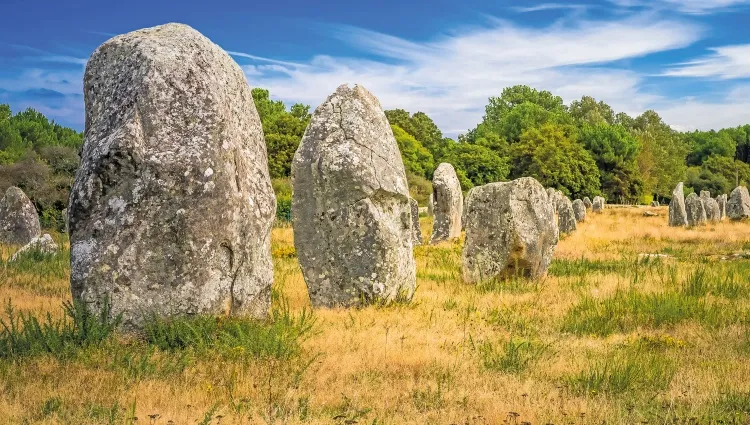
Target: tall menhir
<point x="172" y="207"/>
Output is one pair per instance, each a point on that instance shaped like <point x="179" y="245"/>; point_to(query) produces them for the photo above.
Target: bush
<point x="24" y="335"/>
<point x="281" y="337"/>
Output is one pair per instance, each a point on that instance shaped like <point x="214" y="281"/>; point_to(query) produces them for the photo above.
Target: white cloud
<point x="726" y="62"/>
<point x="551" y="6"/>
<point x="695" y="7"/>
<point x="451" y="77"/>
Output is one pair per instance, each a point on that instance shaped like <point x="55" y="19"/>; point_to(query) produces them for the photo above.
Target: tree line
<point x="583" y="149"/>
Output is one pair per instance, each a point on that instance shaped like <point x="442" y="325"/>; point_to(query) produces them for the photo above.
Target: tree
<point x="661" y="161"/>
<point x="615" y="151"/>
<point x="417" y="159"/>
<point x="476" y="165"/>
<point x="703" y="144"/>
<point x="589" y="111"/>
<point x="422" y="128"/>
<point x="283" y="130"/>
<point x="517" y="95"/>
<point x="718" y="174"/>
<point x="551" y="155"/>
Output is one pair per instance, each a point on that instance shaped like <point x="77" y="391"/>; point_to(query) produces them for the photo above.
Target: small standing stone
<point x="566" y="219"/>
<point x="677" y="213"/>
<point x="713" y="211"/>
<point x="19" y="222"/>
<point x="552" y="197"/>
<point x="579" y="209"/>
<point x="416" y="231"/>
<point x="449" y="204"/>
<point x="696" y="213"/>
<point x="722" y="201"/>
<point x="510" y="231"/>
<point x="587" y="202"/>
<point x="738" y="205"/>
<point x="43" y="245"/>
<point x="597" y="205"/>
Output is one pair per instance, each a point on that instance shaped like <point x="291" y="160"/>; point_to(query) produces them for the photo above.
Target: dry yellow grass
<point x="432" y="361"/>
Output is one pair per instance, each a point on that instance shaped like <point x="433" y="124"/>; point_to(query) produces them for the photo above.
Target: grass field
<point x="611" y="335"/>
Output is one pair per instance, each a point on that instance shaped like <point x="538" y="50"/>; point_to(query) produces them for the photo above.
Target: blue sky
<point x="687" y="59"/>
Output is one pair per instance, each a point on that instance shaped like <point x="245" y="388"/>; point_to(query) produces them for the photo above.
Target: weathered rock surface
<point x="19" y="222"/>
<point x="738" y="204"/>
<point x="172" y="206"/>
<point x="722" y="201"/>
<point x="566" y="218"/>
<point x="351" y="210"/>
<point x="415" y="229"/>
<point x="713" y="211"/>
<point x="677" y="212"/>
<point x="510" y="231"/>
<point x="579" y="209"/>
<point x="43" y="245"/>
<point x="696" y="213"/>
<point x="449" y="204"/>
<point x="431" y="206"/>
<point x="587" y="202"/>
<point x="597" y="205"/>
<point x="552" y="197"/>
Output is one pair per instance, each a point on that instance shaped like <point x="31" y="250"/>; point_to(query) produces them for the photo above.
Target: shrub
<point x="24" y="335"/>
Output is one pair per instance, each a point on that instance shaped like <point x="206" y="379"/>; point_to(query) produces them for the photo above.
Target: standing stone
<point x="350" y="207"/>
<point x="172" y="206"/>
<point x="65" y="219"/>
<point x="552" y="197"/>
<point x="416" y="231"/>
<point x="19" y="222"/>
<point x="449" y="204"/>
<point x="43" y="245"/>
<point x="722" y="201"/>
<point x="587" y="202"/>
<point x="738" y="205"/>
<point x="465" y="209"/>
<point x="655" y="204"/>
<point x="597" y="205"/>
<point x="713" y="211"/>
<point x="677" y="212"/>
<point x="696" y="213"/>
<point x="431" y="206"/>
<point x="510" y="231"/>
<point x="566" y="218"/>
<point x="579" y="209"/>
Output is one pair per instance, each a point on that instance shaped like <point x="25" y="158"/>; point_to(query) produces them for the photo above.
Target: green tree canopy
<point x="703" y="144"/>
<point x="589" y="111"/>
<point x="283" y="130"/>
<point x="417" y="159"/>
<point x="551" y="155"/>
<point x="477" y="165"/>
<point x="615" y="151"/>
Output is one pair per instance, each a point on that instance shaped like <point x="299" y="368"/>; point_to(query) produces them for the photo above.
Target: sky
<point x="689" y="60"/>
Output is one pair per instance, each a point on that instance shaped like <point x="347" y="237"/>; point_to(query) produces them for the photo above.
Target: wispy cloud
<point x="452" y="76"/>
<point x="726" y="62"/>
<point x="44" y="56"/>
<point x="551" y="6"/>
<point x="695" y="7"/>
<point x="262" y="59"/>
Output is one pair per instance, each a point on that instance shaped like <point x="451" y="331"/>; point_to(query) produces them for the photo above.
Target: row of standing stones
<point x="697" y="210"/>
<point x="171" y="209"/>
